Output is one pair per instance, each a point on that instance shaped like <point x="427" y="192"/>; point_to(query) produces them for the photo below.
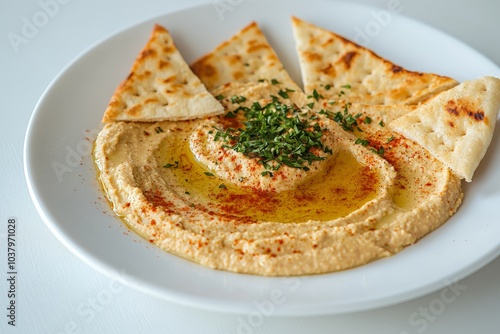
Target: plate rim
<point x="199" y="302"/>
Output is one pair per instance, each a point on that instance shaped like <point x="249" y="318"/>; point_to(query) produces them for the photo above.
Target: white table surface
<point x="58" y="293"/>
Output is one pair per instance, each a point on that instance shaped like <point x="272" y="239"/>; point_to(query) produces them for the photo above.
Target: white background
<point x="58" y="293"/>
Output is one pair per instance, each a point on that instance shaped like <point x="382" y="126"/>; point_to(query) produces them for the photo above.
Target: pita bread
<point x="161" y="87"/>
<point x="246" y="57"/>
<point x="329" y="61"/>
<point x="457" y="125"/>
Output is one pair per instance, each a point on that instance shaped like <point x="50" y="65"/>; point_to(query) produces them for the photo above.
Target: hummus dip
<point x="184" y="187"/>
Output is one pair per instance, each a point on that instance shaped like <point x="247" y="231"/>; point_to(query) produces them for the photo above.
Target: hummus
<point x="191" y="194"/>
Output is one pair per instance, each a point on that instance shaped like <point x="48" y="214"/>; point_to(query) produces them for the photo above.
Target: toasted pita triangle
<point x="246" y="57"/>
<point x="329" y="61"/>
<point x="457" y="125"/>
<point x="161" y="87"/>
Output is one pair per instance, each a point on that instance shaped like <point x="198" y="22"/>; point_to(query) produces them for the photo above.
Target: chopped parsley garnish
<point x="315" y="95"/>
<point x="174" y="165"/>
<point x="363" y="142"/>
<point x="186" y="192"/>
<point x="346" y="86"/>
<point x="327" y="87"/>
<point x="380" y="151"/>
<point x="381" y="123"/>
<point x="275" y="99"/>
<point x="310" y="105"/>
<point x="344" y="119"/>
<point x="266" y="172"/>
<point x="390" y="139"/>
<point x="274" y="81"/>
<point x="347" y="122"/>
<point x="208" y="174"/>
<point x="238" y="99"/>
<point x="217" y="136"/>
<point x="158" y="129"/>
<point x="222" y="186"/>
<point x="367" y="120"/>
<point x="219" y="97"/>
<point x="284" y="93"/>
<point x="277" y="134"/>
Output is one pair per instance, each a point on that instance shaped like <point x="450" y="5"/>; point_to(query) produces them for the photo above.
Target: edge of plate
<point x="208" y="303"/>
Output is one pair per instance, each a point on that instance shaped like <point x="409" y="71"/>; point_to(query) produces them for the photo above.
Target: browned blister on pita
<point x="456" y="126"/>
<point x="245" y="57"/>
<point x="330" y="62"/>
<point x="160" y="87"/>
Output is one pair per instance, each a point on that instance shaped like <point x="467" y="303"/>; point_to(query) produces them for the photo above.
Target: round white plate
<point x="62" y="179"/>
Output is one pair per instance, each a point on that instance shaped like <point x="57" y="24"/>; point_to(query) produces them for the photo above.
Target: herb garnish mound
<point x="276" y="134"/>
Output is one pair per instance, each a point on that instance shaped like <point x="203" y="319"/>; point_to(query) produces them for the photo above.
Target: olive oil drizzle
<point x="341" y="188"/>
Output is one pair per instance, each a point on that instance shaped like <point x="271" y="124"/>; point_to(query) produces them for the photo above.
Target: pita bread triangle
<point x="456" y="126"/>
<point x="161" y="87"/>
<point x="329" y="61"/>
<point x="245" y="57"/>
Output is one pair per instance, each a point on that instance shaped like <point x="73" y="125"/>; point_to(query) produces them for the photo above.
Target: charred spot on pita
<point x="348" y="57"/>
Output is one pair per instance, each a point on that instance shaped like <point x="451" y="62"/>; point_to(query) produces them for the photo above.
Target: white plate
<point x="62" y="181"/>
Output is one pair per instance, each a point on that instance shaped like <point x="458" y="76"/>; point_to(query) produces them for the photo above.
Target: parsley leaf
<point x="380" y="151"/>
<point x="284" y="93"/>
<point x="315" y="95"/>
<point x="174" y="165"/>
<point x="363" y="142"/>
<point x="344" y="119"/>
<point x="238" y="99"/>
